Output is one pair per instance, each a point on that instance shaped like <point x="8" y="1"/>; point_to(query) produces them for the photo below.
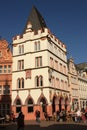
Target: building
<point x="40" y="75"/>
<point x="5" y="77"/>
<point x="82" y="83"/>
<point x="77" y="74"/>
<point x="73" y="84"/>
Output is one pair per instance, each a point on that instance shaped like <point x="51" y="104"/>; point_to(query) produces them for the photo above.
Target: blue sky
<point x="67" y="20"/>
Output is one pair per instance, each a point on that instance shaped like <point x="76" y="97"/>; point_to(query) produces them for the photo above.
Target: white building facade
<point x="40" y="75"/>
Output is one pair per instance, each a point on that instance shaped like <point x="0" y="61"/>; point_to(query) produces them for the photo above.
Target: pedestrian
<point x="37" y="114"/>
<point x="13" y="117"/>
<point x="78" y="115"/>
<point x="86" y="113"/>
<point x="46" y="115"/>
<point x="20" y="121"/>
<point x="58" y="115"/>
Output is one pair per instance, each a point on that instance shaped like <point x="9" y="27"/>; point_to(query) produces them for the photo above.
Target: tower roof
<point x="36" y="19"/>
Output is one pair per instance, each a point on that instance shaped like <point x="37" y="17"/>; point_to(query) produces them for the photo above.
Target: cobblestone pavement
<point x="46" y="125"/>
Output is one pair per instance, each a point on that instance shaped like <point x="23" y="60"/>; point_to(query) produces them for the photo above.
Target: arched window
<point x="22" y="83"/>
<point x="18" y="83"/>
<point x="18" y="105"/>
<point x="41" y="81"/>
<point x="37" y="81"/>
<point x="30" y="105"/>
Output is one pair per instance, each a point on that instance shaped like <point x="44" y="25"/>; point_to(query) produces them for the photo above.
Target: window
<point x="0" y="54"/>
<point x="62" y="84"/>
<point x="57" y="83"/>
<point x="55" y="49"/>
<point x="51" y="62"/>
<point x="20" y="64"/>
<point x="38" y="81"/>
<point x="6" y="89"/>
<point x="66" y="85"/>
<point x="5" y="69"/>
<point x="30" y="105"/>
<point x="18" y="106"/>
<point x="41" y="81"/>
<point x="0" y="89"/>
<point x="56" y="65"/>
<point x="53" y="82"/>
<point x="21" y="49"/>
<point x="38" y="61"/>
<point x="61" y="67"/>
<point x="9" y="68"/>
<point x="0" y="68"/>
<point x="20" y="83"/>
<point x="37" y="46"/>
<point x="64" y="69"/>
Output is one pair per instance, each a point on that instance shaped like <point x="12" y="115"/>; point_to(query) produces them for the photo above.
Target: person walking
<point x="20" y="121"/>
<point x="37" y="114"/>
<point x="58" y="115"/>
<point x="78" y="115"/>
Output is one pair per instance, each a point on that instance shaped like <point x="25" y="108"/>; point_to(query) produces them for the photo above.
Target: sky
<point x="66" y="19"/>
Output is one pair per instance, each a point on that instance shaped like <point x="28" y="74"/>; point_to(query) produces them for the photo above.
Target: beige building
<point x="77" y="84"/>
<point x="82" y="83"/>
<point x="40" y="75"/>
<point x="73" y="84"/>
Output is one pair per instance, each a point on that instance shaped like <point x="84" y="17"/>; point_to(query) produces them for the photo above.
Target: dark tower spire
<point x="36" y="20"/>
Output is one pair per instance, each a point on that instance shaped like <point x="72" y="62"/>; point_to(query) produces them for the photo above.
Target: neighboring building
<point x="40" y="75"/>
<point x="77" y="84"/>
<point x="5" y="78"/>
<point x="73" y="84"/>
<point x="82" y="69"/>
<point x="82" y="83"/>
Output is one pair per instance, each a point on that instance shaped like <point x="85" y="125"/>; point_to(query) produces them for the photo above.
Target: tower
<point x="39" y="79"/>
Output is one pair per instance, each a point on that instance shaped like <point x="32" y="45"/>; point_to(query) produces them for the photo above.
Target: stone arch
<point x="42" y="101"/>
<point x="42" y="97"/>
<point x="54" y="102"/>
<point x="29" y="97"/>
<point x="61" y="103"/>
<point x="18" y="103"/>
<point x="29" y="102"/>
<point x="17" y="98"/>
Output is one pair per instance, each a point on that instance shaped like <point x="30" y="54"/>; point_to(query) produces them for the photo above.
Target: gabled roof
<point x="36" y="20"/>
